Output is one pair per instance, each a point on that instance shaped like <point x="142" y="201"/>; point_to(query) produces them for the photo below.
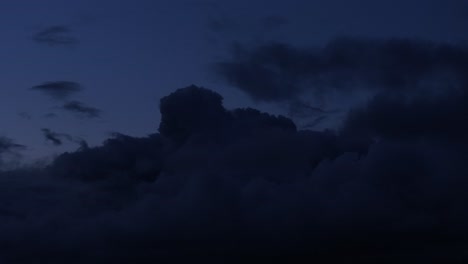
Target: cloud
<point x="9" y="152"/>
<point x="424" y="116"/>
<point x="81" y="109"/>
<point x="55" y="138"/>
<point x="242" y="184"/>
<point x="280" y="72"/>
<point x="55" y="36"/>
<point x="203" y="110"/>
<point x="58" y="138"/>
<point x="58" y="90"/>
<point x="8" y="145"/>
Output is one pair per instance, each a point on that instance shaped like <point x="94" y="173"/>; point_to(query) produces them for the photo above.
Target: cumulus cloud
<point x="239" y="184"/>
<point x="55" y="36"/>
<point x="81" y="109"/>
<point x="58" y="90"/>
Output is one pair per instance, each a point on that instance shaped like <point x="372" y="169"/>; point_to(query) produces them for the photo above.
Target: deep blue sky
<point x="128" y="54"/>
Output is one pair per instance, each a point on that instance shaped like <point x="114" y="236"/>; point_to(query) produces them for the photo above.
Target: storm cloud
<point x="240" y="183"/>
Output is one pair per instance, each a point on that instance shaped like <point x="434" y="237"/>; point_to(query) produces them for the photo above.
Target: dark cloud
<point x="303" y="109"/>
<point x="8" y="145"/>
<point x="55" y="36"/>
<point x="280" y="72"/>
<point x="203" y="111"/>
<point x="81" y="109"/>
<point x="58" y="90"/>
<point x="314" y="122"/>
<point x="9" y="150"/>
<point x="58" y="138"/>
<point x="54" y="137"/>
<point x="440" y="116"/>
<point x="240" y="184"/>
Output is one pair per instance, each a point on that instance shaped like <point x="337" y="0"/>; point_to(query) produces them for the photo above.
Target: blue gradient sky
<point x="132" y="52"/>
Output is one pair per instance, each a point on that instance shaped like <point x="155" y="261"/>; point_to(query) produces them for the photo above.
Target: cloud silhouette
<point x="55" y="36"/>
<point x="81" y="109"/>
<point x="55" y="138"/>
<point x="424" y="116"/>
<point x="240" y="184"/>
<point x="9" y="149"/>
<point x="58" y="138"/>
<point x="58" y="90"/>
<point x="8" y="145"/>
<point x="279" y="72"/>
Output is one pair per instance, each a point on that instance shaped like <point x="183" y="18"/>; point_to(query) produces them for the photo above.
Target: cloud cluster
<point x="62" y="91"/>
<point x="239" y="184"/>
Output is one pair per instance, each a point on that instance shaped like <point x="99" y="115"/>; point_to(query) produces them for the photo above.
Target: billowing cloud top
<point x="232" y="184"/>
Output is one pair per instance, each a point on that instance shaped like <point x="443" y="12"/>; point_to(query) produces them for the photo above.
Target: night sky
<point x="144" y="130"/>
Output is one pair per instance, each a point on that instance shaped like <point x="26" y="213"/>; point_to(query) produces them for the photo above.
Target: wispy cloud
<point x="54" y="137"/>
<point x="56" y="36"/>
<point x="9" y="151"/>
<point x="8" y="145"/>
<point x="81" y="109"/>
<point x="58" y="138"/>
<point x="58" y="90"/>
